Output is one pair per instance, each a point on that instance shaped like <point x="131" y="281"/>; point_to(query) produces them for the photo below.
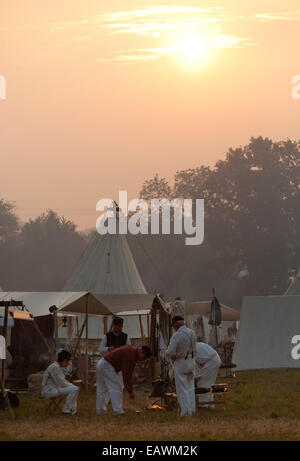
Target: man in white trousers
<point x="54" y="383"/>
<point x="207" y="366"/>
<point x="113" y="339"/>
<point x="109" y="386"/>
<point x="182" y="350"/>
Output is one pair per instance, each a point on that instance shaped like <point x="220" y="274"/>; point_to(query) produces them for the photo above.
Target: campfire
<point x="157" y="407"/>
<point x="165" y="401"/>
<point x="154" y="405"/>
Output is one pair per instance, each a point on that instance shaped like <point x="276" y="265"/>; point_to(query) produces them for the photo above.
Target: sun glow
<point x="192" y="49"/>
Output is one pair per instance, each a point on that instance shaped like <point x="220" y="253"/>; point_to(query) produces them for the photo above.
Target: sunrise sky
<point x="101" y="95"/>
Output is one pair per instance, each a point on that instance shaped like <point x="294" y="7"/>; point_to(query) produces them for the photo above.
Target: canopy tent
<point x="133" y="307"/>
<point x="38" y="303"/>
<point x="127" y="305"/>
<point x="107" y="266"/>
<point x="131" y="304"/>
<point x="294" y="287"/>
<point x="197" y="316"/>
<point x="267" y="328"/>
<point x="204" y="308"/>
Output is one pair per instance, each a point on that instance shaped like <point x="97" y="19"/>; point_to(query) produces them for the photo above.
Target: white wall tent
<point x="107" y="267"/>
<point x="268" y="334"/>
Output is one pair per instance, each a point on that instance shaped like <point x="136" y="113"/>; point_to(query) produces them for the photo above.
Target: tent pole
<point x="148" y="328"/>
<point x="55" y="332"/>
<point x="215" y="323"/>
<point x="142" y="329"/>
<point x="86" y="344"/>
<point x="152" y="339"/>
<point x="4" y="393"/>
<point x="79" y="336"/>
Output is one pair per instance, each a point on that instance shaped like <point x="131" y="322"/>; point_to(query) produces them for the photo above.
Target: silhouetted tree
<point x="252" y="200"/>
<point x="9" y="242"/>
<point x="50" y="248"/>
<point x="155" y="188"/>
<point x="9" y="223"/>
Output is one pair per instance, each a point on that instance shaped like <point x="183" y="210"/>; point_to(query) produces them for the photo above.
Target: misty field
<point x="264" y="405"/>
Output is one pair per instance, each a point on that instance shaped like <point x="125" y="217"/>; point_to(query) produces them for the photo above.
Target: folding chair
<point x="53" y="404"/>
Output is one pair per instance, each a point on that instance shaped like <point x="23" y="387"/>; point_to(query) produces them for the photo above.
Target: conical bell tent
<point x="107" y="267"/>
<point x="108" y="270"/>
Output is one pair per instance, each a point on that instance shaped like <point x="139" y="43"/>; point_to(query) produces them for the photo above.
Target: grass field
<point x="264" y="405"/>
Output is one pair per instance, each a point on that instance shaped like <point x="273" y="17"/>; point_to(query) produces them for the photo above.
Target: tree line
<point x="251" y="245"/>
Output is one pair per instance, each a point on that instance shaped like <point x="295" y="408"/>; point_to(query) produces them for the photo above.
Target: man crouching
<point x="54" y="383"/>
<point x="109" y="386"/>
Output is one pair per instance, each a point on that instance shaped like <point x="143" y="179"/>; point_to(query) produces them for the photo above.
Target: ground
<point x="264" y="405"/>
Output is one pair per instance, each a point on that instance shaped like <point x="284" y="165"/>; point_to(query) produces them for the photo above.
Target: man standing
<point x="109" y="385"/>
<point x="207" y="366"/>
<point x="54" y="383"/>
<point x="115" y="338"/>
<point x="182" y="350"/>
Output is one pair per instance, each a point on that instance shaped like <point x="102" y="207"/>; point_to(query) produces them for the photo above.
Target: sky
<point x="102" y="95"/>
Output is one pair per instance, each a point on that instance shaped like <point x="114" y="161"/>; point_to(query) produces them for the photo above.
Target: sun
<point x="192" y="49"/>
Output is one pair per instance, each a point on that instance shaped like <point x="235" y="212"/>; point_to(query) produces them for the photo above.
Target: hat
<point x="117" y="321"/>
<point x="176" y="319"/>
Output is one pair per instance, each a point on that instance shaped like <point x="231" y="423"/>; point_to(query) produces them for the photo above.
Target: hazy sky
<point x="101" y="95"/>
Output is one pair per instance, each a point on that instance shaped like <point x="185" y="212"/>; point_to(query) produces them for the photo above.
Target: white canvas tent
<point x="134" y="308"/>
<point x="38" y="303"/>
<point x="266" y="333"/>
<point x="107" y="267"/>
<point x="197" y="314"/>
<point x="204" y="308"/>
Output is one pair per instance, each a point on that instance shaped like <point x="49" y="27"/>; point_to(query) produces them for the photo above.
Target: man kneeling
<point x="109" y="386"/>
<point x="55" y="385"/>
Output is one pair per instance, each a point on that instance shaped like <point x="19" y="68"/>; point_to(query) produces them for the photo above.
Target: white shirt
<point x="54" y="377"/>
<point x="103" y="349"/>
<point x="183" y="342"/>
<point x="204" y="353"/>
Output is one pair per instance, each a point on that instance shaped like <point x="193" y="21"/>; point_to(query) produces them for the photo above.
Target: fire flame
<point x="157" y="407"/>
